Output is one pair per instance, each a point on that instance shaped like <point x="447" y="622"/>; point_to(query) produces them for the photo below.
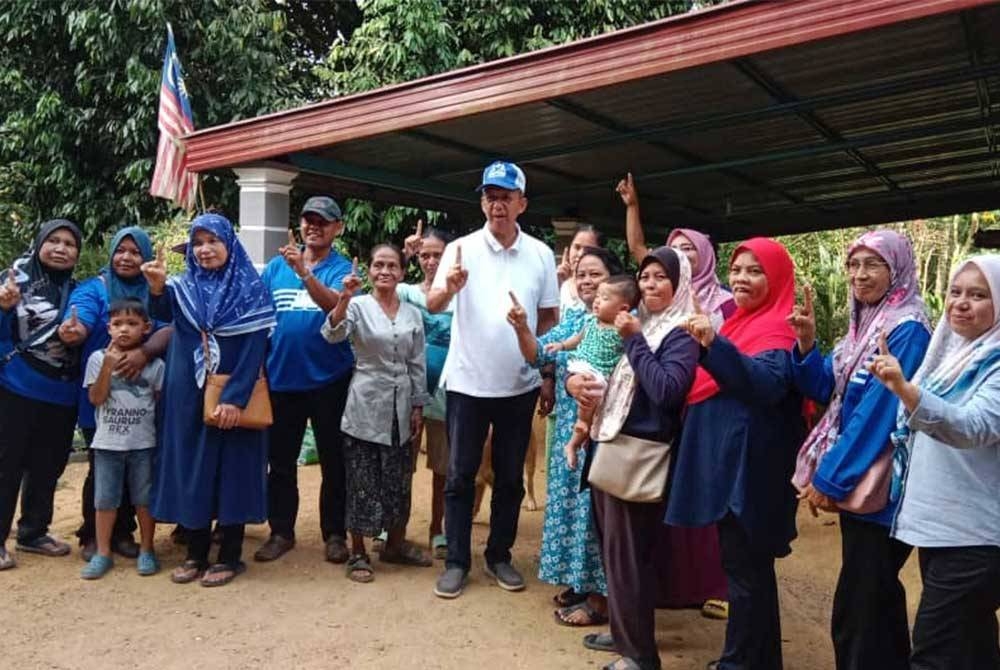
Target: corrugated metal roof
<point x="750" y="118"/>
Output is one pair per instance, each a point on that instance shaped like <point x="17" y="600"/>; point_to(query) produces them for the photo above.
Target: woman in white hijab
<point x="948" y="449"/>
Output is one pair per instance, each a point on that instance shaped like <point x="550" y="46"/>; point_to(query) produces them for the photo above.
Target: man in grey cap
<point x="308" y="377"/>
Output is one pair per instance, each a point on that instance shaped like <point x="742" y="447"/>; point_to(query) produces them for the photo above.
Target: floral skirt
<point x="379" y="477"/>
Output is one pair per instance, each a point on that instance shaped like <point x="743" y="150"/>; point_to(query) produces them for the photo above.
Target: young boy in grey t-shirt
<point x="126" y="434"/>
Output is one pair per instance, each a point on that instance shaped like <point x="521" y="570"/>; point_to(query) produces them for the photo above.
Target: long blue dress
<point x="204" y="473"/>
<point x="570" y="553"/>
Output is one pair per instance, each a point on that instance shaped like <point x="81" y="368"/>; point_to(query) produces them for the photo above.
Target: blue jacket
<point x="867" y="415"/>
<point x="737" y="449"/>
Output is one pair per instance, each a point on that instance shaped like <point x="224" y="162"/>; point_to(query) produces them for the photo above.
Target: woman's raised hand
<point x="351" y="282"/>
<point x="413" y="243"/>
<point x="155" y="271"/>
<point x="10" y="294"/>
<point x="626" y="189"/>
<point x="803" y="321"/>
<point x="886" y="367"/>
<point x="699" y="326"/>
<point x="565" y="269"/>
<point x="516" y="316"/>
<point x="627" y="325"/>
<point x="71" y="331"/>
<point x="457" y="275"/>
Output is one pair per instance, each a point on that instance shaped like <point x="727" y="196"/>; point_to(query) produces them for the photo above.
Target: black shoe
<point x="450" y="583"/>
<point x="275" y="547"/>
<point x="507" y="577"/>
<point x="126" y="547"/>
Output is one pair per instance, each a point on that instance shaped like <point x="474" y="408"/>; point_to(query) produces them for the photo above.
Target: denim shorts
<point x="110" y="470"/>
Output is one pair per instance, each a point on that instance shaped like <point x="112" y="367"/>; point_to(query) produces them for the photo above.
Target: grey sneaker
<point x="507" y="577"/>
<point x="450" y="583"/>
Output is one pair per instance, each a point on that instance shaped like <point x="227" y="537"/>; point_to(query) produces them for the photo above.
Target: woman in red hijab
<point x="738" y="445"/>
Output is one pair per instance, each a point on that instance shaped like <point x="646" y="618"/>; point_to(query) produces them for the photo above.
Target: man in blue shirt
<point x="308" y="378"/>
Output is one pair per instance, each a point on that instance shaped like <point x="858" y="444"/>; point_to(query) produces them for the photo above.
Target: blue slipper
<point x="147" y="564"/>
<point x="97" y="567"/>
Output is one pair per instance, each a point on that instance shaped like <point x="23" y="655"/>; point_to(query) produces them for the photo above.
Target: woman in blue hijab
<point x="120" y="278"/>
<point x="207" y="472"/>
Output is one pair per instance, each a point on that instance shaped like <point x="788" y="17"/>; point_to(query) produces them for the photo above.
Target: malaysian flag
<point x="171" y="180"/>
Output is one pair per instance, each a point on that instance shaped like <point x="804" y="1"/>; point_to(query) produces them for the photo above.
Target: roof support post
<point x="264" y="212"/>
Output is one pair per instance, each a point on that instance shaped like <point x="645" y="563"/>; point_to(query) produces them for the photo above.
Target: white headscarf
<point x="611" y="414"/>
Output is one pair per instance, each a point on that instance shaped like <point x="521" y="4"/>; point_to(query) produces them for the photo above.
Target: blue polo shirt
<point x="299" y="359"/>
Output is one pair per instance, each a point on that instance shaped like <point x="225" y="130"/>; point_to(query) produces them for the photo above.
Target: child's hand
<point x="570" y="452"/>
<point x="113" y="357"/>
<point x="553" y="347"/>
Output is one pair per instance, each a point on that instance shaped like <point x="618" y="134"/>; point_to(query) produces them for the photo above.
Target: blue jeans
<point x="469" y="420"/>
<point x="112" y="468"/>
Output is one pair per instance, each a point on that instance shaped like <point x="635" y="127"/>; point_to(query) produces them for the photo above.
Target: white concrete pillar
<point x="264" y="212"/>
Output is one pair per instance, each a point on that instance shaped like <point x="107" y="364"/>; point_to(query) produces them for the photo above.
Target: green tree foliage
<point x="81" y="84"/>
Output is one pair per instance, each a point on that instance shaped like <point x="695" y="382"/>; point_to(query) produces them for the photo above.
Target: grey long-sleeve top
<point x="389" y="369"/>
<point x="952" y="483"/>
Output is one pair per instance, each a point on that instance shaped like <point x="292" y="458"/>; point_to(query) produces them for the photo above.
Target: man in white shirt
<point x="486" y="378"/>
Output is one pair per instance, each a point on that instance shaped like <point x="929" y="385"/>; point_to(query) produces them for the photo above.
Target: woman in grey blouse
<point x="949" y="446"/>
<point x="384" y="410"/>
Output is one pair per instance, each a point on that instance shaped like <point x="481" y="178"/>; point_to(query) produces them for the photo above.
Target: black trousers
<point x="35" y="441"/>
<point x="627" y="533"/>
<point x="869" y="623"/>
<point x="124" y="522"/>
<point x="230" y="546"/>
<point x="956" y="625"/>
<point x="324" y="407"/>
<point x="753" y="632"/>
<point x="469" y="419"/>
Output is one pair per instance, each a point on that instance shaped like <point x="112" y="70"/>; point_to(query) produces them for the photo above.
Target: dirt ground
<point x="301" y="612"/>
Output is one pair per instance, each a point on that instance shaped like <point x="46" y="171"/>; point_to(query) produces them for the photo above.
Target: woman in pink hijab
<point x="691" y="572"/>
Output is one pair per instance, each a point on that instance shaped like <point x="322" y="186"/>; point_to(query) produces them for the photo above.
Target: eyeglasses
<point x="869" y="265"/>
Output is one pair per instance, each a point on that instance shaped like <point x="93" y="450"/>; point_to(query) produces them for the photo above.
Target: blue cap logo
<point x="503" y="175"/>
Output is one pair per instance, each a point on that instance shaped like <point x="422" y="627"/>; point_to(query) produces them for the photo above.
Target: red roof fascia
<point x="722" y="33"/>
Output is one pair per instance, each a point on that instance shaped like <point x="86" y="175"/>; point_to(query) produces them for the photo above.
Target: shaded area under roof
<point x="753" y="118"/>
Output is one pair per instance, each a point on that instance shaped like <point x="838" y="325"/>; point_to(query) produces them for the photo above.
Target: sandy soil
<point x="301" y="612"/>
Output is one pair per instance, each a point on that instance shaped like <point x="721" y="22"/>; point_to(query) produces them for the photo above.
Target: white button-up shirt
<point x="484" y="359"/>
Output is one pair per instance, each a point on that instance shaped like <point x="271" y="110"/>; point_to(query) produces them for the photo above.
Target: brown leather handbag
<point x="256" y="415"/>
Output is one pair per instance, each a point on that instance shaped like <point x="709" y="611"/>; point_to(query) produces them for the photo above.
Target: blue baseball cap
<point x="503" y="175"/>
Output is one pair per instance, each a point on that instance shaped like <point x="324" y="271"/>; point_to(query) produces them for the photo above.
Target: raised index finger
<point x="72" y="315"/>
<point x="420" y="227"/>
<point x="808" y="291"/>
<point x="458" y="255"/>
<point x="354" y="266"/>
<point x="883" y="343"/>
<point x="161" y="253"/>
<point x="291" y="238"/>
<point x="697" y="304"/>
<point x="11" y="277"/>
<point x="513" y="298"/>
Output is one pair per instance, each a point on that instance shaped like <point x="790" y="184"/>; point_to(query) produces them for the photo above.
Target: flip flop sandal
<point x="187" y="572"/>
<point x="6" y="560"/>
<point x="408" y="554"/>
<point x="357" y="565"/>
<point x="568" y="598"/>
<point x="594" y="618"/>
<point x="715" y="609"/>
<point x="599" y="642"/>
<point x="439" y="546"/>
<point x="623" y="663"/>
<point x="220" y="568"/>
